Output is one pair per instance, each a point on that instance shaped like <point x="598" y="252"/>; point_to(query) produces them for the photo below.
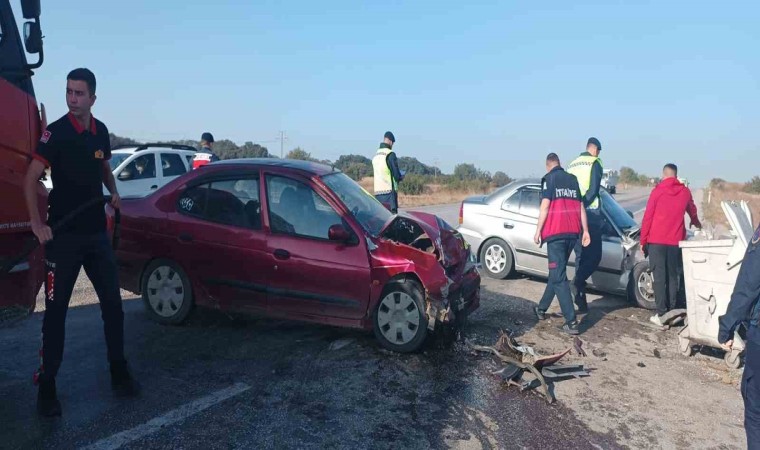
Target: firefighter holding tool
<point x="76" y="148"/>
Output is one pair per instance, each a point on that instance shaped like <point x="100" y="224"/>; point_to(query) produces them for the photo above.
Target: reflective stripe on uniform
<point x="384" y="182"/>
<point x="581" y="168"/>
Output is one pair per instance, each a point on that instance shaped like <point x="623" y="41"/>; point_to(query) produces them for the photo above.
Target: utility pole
<point x="282" y="144"/>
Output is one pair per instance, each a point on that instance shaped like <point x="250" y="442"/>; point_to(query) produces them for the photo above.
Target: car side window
<point x="230" y="202"/>
<point x="141" y="168"/>
<point x="512" y="203"/>
<point x="296" y="209"/>
<point x="172" y="165"/>
<point x="530" y="202"/>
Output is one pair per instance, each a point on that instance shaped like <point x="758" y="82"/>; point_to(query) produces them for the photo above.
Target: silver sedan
<point x="500" y="227"/>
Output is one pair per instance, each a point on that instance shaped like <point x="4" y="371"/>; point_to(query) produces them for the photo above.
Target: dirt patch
<point x="717" y="193"/>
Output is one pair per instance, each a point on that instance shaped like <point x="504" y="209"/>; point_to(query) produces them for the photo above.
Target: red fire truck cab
<point x="20" y="127"/>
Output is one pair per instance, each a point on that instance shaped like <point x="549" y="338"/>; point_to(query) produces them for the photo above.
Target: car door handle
<point x="184" y="237"/>
<point x="155" y="186"/>
<point x="509" y="225"/>
<point x="281" y="254"/>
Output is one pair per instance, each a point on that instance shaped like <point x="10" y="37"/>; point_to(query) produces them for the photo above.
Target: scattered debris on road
<point x="521" y="359"/>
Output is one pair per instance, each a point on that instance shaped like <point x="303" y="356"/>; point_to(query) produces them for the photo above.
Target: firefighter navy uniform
<point x="76" y="158"/>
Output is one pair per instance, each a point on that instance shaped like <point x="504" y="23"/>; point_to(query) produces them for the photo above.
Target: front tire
<point x="641" y="286"/>
<point x="400" y="322"/>
<point x="166" y="292"/>
<point x="496" y="259"/>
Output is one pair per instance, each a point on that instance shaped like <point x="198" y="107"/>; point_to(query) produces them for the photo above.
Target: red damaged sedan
<point x="294" y="240"/>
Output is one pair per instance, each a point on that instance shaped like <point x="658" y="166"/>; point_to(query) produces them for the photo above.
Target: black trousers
<point x="665" y="262"/>
<point x="559" y="252"/>
<point x="391" y="199"/>
<point x="587" y="259"/>
<point x="65" y="256"/>
<point x="751" y="388"/>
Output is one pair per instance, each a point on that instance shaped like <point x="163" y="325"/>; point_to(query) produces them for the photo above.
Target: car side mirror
<point x="125" y="175"/>
<point x="338" y="233"/>
<point x="33" y="37"/>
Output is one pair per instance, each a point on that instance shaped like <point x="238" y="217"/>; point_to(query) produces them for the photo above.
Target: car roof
<point x="133" y="148"/>
<point x="130" y="151"/>
<point x="314" y="168"/>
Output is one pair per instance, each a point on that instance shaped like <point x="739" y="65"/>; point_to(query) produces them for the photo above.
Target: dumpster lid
<point x="740" y="218"/>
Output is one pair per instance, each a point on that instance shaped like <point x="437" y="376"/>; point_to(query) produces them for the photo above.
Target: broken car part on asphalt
<point x="520" y="358"/>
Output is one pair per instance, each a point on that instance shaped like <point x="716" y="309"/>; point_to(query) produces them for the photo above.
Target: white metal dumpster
<point x="710" y="271"/>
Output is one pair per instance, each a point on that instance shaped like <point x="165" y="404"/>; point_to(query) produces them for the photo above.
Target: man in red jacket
<point x="661" y="231"/>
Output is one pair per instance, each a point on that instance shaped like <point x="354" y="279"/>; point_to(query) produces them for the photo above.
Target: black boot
<point x="47" y="400"/>
<point x="122" y="382"/>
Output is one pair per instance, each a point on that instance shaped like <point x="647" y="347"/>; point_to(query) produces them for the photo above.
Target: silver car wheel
<point x="398" y="318"/>
<point x="645" y="285"/>
<point x="166" y="292"/>
<point x="496" y="258"/>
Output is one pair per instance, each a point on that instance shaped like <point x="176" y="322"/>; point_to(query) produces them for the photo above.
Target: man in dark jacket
<point x="661" y="231"/>
<point x="561" y="220"/>
<point x="205" y="155"/>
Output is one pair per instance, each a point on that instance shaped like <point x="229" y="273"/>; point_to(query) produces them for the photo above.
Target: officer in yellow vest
<point x="587" y="168"/>
<point x="387" y="173"/>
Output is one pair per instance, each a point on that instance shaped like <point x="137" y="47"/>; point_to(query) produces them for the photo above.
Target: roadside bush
<point x="412" y="185"/>
<point x="753" y="186"/>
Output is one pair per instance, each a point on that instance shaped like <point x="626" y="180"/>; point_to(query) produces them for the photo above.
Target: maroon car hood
<point x="448" y="242"/>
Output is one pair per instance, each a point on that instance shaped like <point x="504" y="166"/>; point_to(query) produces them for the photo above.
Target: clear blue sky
<point x="498" y="84"/>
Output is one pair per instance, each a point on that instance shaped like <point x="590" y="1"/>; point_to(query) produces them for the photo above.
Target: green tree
<point x="299" y="153"/>
<point x="628" y="175"/>
<point x="118" y="140"/>
<point x="501" y="179"/>
<point x="466" y="172"/>
<point x="414" y="166"/>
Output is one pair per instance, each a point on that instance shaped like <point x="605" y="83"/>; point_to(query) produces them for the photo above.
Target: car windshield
<point x="367" y="210"/>
<point x="616" y="212"/>
<point x="116" y="159"/>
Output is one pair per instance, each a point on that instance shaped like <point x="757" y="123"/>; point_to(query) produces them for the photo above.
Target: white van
<point x="140" y="170"/>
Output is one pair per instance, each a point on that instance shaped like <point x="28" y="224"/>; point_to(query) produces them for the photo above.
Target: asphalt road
<point x="222" y="382"/>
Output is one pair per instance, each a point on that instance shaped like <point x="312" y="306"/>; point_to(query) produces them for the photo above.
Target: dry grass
<point x="728" y="191"/>
<point x="435" y="194"/>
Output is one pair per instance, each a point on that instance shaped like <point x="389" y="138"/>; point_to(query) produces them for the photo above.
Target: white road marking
<point x="176" y="415"/>
<point x="639" y="212"/>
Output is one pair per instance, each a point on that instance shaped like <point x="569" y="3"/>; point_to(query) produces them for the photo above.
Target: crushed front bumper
<point x="462" y="300"/>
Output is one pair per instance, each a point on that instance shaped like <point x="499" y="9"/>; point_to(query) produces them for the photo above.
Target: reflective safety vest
<point x="384" y="181"/>
<point x="581" y="168"/>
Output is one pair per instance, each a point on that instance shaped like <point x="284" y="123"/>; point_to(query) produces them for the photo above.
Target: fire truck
<point x="21" y="124"/>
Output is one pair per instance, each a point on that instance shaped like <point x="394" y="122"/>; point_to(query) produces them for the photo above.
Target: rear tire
<point x="641" y="286"/>
<point x="166" y="292"/>
<point x="496" y="259"/>
<point x="399" y="322"/>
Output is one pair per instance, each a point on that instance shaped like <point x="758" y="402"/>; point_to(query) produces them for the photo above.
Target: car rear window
<point x="230" y="202"/>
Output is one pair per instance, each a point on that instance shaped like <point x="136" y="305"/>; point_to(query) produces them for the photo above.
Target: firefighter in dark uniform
<point x="744" y="307"/>
<point x="561" y="220"/>
<point x="206" y="154"/>
<point x="76" y="148"/>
